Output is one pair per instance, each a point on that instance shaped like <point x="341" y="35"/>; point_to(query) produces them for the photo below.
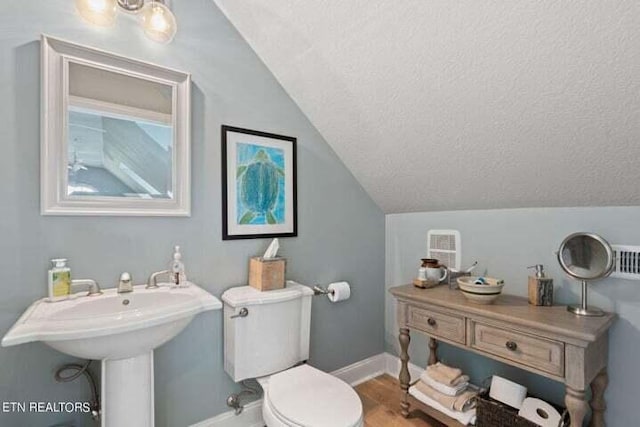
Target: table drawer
<point x="438" y="324"/>
<point x="540" y="353"/>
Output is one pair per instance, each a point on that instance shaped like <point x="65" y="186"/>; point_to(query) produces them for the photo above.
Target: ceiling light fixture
<point x="158" y="22"/>
<point x="156" y="19"/>
<point x="98" y="12"/>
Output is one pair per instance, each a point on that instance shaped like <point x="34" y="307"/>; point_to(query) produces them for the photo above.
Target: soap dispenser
<point x="59" y="280"/>
<point x="540" y="287"/>
<point x="178" y="275"/>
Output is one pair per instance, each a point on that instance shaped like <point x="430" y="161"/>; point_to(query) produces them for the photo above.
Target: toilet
<point x="269" y="341"/>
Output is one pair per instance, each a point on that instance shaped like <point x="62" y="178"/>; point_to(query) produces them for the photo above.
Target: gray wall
<point x="505" y="242"/>
<point x="341" y="231"/>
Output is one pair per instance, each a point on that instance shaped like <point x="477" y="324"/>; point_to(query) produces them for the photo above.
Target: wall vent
<point x="444" y="245"/>
<point x="627" y="265"/>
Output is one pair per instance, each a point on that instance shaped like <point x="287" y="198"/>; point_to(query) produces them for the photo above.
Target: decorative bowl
<point x="480" y="294"/>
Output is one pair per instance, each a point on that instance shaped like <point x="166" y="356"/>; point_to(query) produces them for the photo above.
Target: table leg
<point x="433" y="348"/>
<point x="598" y="404"/>
<point x="576" y="405"/>
<point x="404" y="377"/>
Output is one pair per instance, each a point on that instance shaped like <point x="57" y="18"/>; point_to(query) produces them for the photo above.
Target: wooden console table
<point x="548" y="341"/>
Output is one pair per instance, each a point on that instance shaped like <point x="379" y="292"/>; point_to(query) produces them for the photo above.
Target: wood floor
<point x="381" y="403"/>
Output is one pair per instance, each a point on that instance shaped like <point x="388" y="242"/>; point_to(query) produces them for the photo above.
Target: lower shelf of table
<point x="433" y="413"/>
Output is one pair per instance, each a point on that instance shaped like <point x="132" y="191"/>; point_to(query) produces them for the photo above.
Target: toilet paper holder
<point x="336" y="292"/>
<point x="319" y="290"/>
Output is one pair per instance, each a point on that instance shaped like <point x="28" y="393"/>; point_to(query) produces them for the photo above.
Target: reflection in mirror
<point x="585" y="257"/>
<point x="120" y="135"/>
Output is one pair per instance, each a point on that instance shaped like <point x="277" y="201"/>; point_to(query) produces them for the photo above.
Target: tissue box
<point x="267" y="274"/>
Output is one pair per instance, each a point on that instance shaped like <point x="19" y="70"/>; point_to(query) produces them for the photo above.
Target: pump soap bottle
<point x="178" y="275"/>
<point x="540" y="287"/>
<point x="59" y="280"/>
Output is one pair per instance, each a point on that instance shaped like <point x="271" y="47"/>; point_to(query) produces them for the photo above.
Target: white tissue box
<point x="267" y="274"/>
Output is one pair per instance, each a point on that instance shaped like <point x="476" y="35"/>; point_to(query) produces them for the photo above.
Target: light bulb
<point x="98" y="12"/>
<point x="158" y="22"/>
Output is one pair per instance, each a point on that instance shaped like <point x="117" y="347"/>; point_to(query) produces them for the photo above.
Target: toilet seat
<point x="307" y="397"/>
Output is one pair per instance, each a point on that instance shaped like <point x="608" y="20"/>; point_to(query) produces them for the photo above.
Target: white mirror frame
<point x="56" y="56"/>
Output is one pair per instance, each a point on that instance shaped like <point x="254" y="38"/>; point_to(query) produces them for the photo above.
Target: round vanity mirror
<point x="586" y="257"/>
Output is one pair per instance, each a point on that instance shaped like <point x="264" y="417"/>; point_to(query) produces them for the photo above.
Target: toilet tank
<point x="272" y="337"/>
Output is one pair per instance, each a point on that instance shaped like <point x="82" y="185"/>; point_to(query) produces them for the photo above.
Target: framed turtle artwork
<point x="259" y="191"/>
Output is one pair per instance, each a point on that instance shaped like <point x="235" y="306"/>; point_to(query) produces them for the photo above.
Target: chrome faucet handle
<point x="152" y="283"/>
<point x="93" y="289"/>
<point x="125" y="284"/>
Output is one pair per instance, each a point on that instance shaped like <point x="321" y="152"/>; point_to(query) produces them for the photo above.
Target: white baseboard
<point x="251" y="416"/>
<point x="363" y="370"/>
<point x="354" y="374"/>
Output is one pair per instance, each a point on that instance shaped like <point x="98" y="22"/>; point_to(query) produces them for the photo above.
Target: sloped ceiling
<point x="443" y="105"/>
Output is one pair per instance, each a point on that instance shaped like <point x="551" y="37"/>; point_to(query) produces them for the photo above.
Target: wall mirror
<point x="115" y="136"/>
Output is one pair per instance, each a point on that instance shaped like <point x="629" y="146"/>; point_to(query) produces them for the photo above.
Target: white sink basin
<point x="112" y="325"/>
<point x="121" y="330"/>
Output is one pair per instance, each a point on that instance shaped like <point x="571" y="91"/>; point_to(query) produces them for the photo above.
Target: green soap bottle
<point x="59" y="280"/>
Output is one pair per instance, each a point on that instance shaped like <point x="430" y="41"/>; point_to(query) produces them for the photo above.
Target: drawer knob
<point x="431" y="321"/>
<point x="511" y="345"/>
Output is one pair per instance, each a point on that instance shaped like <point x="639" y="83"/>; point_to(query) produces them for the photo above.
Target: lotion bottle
<point x="178" y="275"/>
<point x="59" y="280"/>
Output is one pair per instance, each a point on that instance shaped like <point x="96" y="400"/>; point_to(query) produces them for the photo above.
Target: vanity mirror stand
<point x="586" y="257"/>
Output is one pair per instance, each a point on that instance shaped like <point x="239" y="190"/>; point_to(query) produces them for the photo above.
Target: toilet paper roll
<point x="540" y="412"/>
<point x="339" y="291"/>
<point x="507" y="392"/>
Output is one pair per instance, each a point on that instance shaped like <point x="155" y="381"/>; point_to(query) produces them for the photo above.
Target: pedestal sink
<point x="121" y="330"/>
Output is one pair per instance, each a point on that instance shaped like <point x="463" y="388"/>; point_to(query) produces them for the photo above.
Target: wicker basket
<point x="491" y="413"/>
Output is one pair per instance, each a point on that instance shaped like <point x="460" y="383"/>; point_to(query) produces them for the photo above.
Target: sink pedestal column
<point x="127" y="391"/>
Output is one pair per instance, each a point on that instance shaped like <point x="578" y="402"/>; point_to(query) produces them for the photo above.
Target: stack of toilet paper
<point x="515" y="395"/>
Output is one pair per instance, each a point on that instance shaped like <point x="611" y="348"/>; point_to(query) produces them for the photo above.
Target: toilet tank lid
<point x="246" y="295"/>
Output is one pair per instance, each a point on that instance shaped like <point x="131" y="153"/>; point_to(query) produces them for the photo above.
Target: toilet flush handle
<point x="244" y="312"/>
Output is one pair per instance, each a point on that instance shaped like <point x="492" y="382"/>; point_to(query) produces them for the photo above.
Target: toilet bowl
<point x="304" y="396"/>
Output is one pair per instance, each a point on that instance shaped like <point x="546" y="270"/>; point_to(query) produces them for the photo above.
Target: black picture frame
<point x="229" y="229"/>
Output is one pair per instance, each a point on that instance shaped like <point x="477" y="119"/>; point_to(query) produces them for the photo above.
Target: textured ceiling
<point x="442" y="105"/>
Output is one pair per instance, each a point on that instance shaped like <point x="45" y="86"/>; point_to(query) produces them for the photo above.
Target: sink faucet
<point x="92" y="286"/>
<point x="125" y="284"/>
<point x="152" y="283"/>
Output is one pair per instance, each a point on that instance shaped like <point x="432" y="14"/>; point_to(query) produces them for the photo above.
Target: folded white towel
<point x="444" y="389"/>
<point x="466" y="418"/>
